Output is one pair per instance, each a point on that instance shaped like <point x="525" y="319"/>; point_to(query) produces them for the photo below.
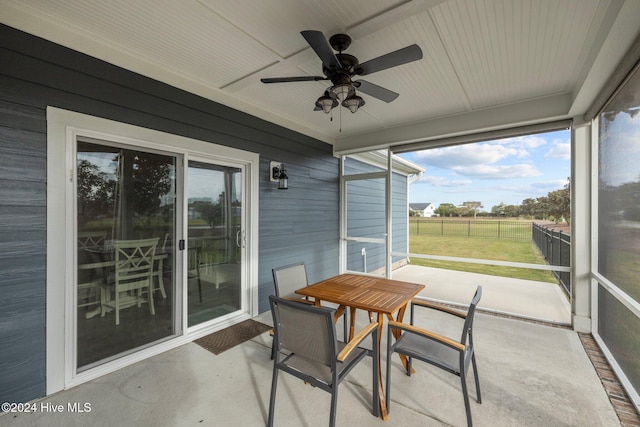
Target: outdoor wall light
<point x="279" y="174"/>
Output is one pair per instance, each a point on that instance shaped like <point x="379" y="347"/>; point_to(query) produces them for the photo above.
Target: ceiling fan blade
<point x="292" y="79"/>
<point x="320" y="45"/>
<point x="376" y="91"/>
<point x="392" y="59"/>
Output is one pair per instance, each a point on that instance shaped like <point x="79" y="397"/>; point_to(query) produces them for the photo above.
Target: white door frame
<point x="63" y="128"/>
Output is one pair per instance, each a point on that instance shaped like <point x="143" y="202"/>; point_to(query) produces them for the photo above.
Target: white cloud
<point x="559" y="150"/>
<point x="440" y="181"/>
<point x="465" y="155"/>
<point x="523" y="143"/>
<point x="498" y="171"/>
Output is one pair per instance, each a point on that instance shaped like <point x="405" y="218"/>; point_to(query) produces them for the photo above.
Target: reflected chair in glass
<point x="133" y="276"/>
<point x="193" y="267"/>
<point x="89" y="280"/>
<point x="158" y="269"/>
<point x="91" y="239"/>
<point x="307" y="335"/>
<point x="451" y="355"/>
<point x="287" y="279"/>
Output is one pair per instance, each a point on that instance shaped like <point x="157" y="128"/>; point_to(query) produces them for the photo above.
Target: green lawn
<point x="478" y="248"/>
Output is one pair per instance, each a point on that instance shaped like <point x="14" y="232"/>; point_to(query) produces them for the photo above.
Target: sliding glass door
<point x="160" y="247"/>
<point x="214" y="241"/>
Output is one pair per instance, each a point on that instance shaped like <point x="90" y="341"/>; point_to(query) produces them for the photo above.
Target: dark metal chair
<point x="287" y="279"/>
<point x="454" y="356"/>
<point x="307" y="334"/>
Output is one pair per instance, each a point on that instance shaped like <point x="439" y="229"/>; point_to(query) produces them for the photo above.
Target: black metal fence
<point x="494" y="229"/>
<point x="555" y="247"/>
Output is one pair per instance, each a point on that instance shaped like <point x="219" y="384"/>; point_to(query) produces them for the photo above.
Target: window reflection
<point x="125" y="229"/>
<point x="619" y="189"/>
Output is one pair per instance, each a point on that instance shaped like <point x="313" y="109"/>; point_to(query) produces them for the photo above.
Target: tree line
<point x="555" y="206"/>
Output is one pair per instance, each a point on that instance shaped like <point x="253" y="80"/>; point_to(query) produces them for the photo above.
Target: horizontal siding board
<point x="30" y="218"/>
<point x="23" y="166"/>
<point x="16" y="251"/>
<point x="32" y="144"/>
<point x="19" y="116"/>
<point x="22" y="193"/>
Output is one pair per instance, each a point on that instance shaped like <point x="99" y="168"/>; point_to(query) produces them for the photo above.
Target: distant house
<point x="426" y="210"/>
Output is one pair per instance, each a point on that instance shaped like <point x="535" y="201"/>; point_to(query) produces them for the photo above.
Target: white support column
<point x="581" y="227"/>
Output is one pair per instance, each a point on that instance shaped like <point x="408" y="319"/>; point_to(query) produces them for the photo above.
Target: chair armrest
<point x="428" y="304"/>
<point x="357" y="340"/>
<point x="428" y="334"/>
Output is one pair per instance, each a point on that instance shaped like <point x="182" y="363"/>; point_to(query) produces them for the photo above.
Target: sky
<point x="493" y="172"/>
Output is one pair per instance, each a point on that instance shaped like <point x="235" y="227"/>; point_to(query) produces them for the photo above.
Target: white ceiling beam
<point x="519" y="114"/>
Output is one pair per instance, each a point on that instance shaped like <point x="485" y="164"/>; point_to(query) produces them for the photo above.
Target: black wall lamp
<point x="279" y="174"/>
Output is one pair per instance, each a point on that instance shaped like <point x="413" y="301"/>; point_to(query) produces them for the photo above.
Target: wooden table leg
<point x="352" y="322"/>
<point x="383" y="406"/>
<point x="338" y="313"/>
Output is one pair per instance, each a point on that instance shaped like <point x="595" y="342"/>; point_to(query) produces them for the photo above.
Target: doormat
<point x="230" y="337"/>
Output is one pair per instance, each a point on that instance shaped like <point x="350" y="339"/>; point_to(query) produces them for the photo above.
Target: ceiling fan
<point x="340" y="68"/>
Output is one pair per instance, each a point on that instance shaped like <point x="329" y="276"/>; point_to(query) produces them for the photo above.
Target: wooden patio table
<point x="385" y="297"/>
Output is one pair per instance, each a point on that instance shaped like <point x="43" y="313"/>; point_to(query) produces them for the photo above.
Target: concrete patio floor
<point x="522" y="298"/>
<point x="530" y="375"/>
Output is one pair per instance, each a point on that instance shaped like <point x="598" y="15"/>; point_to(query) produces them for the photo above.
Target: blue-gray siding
<point x="300" y="224"/>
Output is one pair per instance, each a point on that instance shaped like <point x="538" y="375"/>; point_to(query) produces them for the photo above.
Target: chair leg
<point x="376" y="375"/>
<point x="475" y="374"/>
<point x="345" y="335"/>
<point x="465" y="396"/>
<point x="152" y="308"/>
<point x="334" y="401"/>
<point x="272" y="400"/>
<point x="159" y="274"/>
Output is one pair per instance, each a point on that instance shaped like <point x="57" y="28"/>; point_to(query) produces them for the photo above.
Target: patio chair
<point x="307" y="333"/>
<point x="286" y="280"/>
<point x="134" y="261"/>
<point x="446" y="353"/>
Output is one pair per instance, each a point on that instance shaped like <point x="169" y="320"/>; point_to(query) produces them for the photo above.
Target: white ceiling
<point x="487" y="63"/>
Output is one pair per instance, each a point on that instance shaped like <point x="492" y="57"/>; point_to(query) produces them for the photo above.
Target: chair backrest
<point x="288" y="278"/>
<point x="134" y="262"/>
<point x="91" y="239"/>
<point x="468" y="323"/>
<point x="305" y="330"/>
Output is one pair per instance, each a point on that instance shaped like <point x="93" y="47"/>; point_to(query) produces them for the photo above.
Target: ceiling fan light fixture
<point x="326" y="103"/>
<point x="343" y="91"/>
<point x="353" y="103"/>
